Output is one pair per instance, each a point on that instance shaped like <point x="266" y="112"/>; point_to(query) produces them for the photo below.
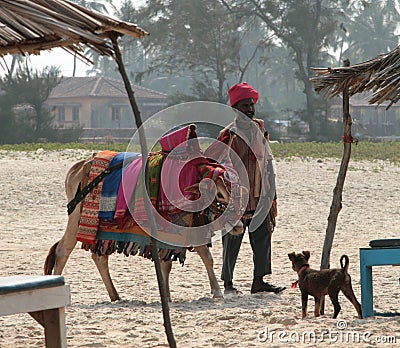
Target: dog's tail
<point x="345" y="267"/>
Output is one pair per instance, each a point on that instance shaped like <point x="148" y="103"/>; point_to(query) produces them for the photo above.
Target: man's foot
<point x="266" y="287"/>
<point x="230" y="289"/>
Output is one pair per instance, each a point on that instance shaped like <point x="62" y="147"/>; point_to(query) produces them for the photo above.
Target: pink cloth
<point x="180" y="138"/>
<point x="176" y="175"/>
<point x="127" y="188"/>
<point x="242" y="91"/>
<point x="178" y="172"/>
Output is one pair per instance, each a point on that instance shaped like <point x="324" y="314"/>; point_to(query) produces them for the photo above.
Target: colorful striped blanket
<point x="114" y="218"/>
<point x="152" y="181"/>
<point x="89" y="221"/>
<point x="100" y="232"/>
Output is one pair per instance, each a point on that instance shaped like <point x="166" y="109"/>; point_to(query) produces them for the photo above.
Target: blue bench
<point x="43" y="297"/>
<point x="381" y="252"/>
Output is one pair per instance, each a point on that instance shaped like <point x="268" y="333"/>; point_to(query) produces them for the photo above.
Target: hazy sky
<point x="59" y="58"/>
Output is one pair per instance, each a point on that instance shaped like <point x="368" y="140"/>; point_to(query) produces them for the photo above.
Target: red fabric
<point x="242" y="91"/>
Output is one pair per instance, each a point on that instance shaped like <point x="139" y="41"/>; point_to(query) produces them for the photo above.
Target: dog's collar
<point x="302" y="268"/>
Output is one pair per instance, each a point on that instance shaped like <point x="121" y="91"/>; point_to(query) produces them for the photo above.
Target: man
<point x="252" y="149"/>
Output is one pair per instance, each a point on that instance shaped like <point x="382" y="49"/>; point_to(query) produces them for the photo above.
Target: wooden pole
<point x="336" y="205"/>
<point x="148" y="206"/>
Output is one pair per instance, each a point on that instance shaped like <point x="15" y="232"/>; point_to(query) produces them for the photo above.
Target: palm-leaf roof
<point x="30" y="26"/>
<point x="380" y="76"/>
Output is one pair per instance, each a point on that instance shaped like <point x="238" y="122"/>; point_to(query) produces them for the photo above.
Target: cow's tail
<point x="50" y="260"/>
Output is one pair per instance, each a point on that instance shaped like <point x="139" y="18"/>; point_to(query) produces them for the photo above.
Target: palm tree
<point x="97" y="5"/>
<point x="372" y="31"/>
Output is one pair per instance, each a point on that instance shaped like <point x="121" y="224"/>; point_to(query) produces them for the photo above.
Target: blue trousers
<point x="260" y="241"/>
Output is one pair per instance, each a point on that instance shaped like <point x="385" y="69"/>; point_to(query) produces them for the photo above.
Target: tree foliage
<point x="196" y="42"/>
<point x="22" y="113"/>
<point x="102" y="65"/>
<point x="306" y="28"/>
<point x="370" y="30"/>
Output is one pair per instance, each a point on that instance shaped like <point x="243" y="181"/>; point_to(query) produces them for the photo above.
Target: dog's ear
<point x="306" y="255"/>
<point x="292" y="256"/>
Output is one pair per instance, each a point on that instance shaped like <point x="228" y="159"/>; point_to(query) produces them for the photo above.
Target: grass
<point x="387" y="151"/>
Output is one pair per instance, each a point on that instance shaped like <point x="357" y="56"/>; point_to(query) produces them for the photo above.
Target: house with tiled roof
<point x="97" y="103"/>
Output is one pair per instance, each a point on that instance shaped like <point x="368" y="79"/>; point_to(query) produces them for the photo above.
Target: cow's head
<point x="224" y="197"/>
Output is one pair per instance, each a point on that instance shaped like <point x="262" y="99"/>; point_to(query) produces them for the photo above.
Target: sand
<point x="33" y="217"/>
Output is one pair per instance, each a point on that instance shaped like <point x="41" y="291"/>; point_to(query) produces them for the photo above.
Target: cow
<point x="60" y="251"/>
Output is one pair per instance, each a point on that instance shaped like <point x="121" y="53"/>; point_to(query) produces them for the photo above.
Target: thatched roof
<point x="29" y="26"/>
<point x="380" y="75"/>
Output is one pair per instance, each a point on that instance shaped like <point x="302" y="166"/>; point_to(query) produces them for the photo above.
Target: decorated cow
<point x="191" y="197"/>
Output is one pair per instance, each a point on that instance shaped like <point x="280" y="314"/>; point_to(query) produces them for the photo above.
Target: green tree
<point x="307" y="28"/>
<point x="131" y="48"/>
<point x="97" y="5"/>
<point x="198" y="42"/>
<point x="100" y="63"/>
<point x="371" y="30"/>
<point x="22" y="113"/>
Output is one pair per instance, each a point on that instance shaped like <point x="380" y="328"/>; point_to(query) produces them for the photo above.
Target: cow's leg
<point x="205" y="254"/>
<point x="102" y="265"/>
<point x="166" y="267"/>
<point x="67" y="242"/>
<point x="60" y="252"/>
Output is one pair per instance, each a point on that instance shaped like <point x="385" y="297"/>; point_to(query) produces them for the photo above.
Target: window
<point x="61" y="113"/>
<point x="115" y="113"/>
<point x="75" y="113"/>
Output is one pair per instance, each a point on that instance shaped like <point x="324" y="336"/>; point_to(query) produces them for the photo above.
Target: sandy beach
<point x="33" y="217"/>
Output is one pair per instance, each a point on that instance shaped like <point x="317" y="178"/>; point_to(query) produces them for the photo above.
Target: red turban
<point x="242" y="91"/>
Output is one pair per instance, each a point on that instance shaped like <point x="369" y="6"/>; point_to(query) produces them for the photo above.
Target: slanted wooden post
<point x="147" y="203"/>
<point x="336" y="205"/>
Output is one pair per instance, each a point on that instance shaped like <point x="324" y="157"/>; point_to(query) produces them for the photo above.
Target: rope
<point x="81" y="194"/>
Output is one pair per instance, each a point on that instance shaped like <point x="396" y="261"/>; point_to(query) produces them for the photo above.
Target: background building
<point x="369" y="120"/>
<point x="101" y="106"/>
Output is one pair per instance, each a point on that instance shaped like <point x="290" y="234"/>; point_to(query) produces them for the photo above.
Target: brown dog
<point x="324" y="282"/>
